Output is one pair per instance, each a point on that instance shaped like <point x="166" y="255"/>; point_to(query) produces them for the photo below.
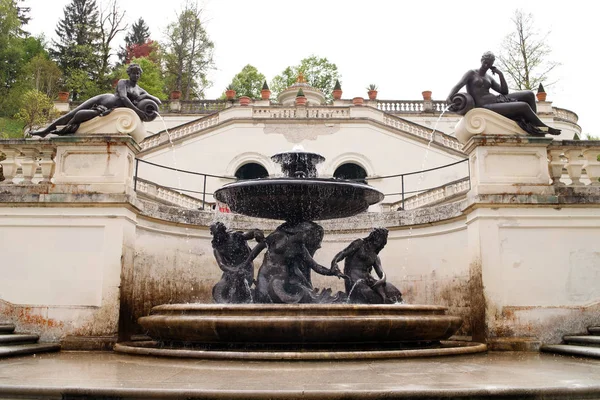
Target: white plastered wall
<point x="540" y="269"/>
<point x="61" y="268"/>
<point x="376" y="148"/>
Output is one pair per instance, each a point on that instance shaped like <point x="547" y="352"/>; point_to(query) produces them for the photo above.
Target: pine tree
<point x="76" y="52"/>
<point x="137" y="36"/>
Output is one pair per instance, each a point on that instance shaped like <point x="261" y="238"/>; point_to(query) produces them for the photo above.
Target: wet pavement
<point x="500" y="375"/>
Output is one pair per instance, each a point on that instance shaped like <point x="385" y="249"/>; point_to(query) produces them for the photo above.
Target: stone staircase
<point x="18" y="344"/>
<point x="580" y="345"/>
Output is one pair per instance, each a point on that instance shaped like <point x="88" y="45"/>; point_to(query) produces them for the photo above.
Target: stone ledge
<point x="361" y="222"/>
<point x="563" y="196"/>
<point x="514" y="344"/>
<point x="25" y="196"/>
<point x="88" y="343"/>
<point x="505" y="140"/>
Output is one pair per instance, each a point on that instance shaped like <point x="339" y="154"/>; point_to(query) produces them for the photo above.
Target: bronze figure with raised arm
<point x="231" y="250"/>
<point x="128" y="94"/>
<point x="518" y="106"/>
<point x="361" y="258"/>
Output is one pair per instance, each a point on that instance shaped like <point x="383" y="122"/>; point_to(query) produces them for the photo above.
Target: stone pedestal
<point x="480" y="121"/>
<point x="501" y="164"/>
<point x="120" y="121"/>
<point x="105" y="164"/>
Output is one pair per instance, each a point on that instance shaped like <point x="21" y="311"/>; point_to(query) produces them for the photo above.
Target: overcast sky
<point x="404" y="47"/>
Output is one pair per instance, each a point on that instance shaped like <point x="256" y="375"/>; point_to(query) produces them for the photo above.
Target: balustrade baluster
<point x="9" y="165"/>
<point x="29" y="163"/>
<point x="556" y="166"/>
<point x="592" y="165"/>
<point x="575" y="166"/>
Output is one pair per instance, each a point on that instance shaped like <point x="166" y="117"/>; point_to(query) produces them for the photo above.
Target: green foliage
<point x="319" y="73"/>
<point x="15" y="52"/>
<point x="372" y="86"/>
<point x="11" y="51"/>
<point x="265" y="86"/>
<point x="10" y="128"/>
<point x="188" y="54"/>
<point x="248" y="82"/>
<point x="541" y="88"/>
<point x="138" y="34"/>
<point x="300" y="93"/>
<point x="337" y="85"/>
<point x="78" y="82"/>
<point x="36" y="109"/>
<point x="77" y="51"/>
<point x="152" y="78"/>
<point x="42" y="74"/>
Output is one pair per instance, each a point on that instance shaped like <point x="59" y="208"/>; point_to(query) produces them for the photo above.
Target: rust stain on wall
<point x="478" y="303"/>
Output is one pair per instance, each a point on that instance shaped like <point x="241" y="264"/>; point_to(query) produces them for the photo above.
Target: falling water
<point x="178" y="175"/>
<point x="419" y="182"/>
<point x="352" y="290"/>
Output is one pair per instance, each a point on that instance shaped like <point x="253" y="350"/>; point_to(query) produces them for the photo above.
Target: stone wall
<point x="174" y="261"/>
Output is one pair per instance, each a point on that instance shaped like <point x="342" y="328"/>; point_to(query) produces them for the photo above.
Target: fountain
<point x="284" y="316"/>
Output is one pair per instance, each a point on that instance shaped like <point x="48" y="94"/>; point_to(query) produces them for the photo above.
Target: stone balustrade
<point x="27" y="161"/>
<point x="421" y="131"/>
<point x="168" y="196"/>
<point x="574" y="162"/>
<point x="565" y="115"/>
<point x="180" y="131"/>
<point x="434" y="196"/>
<point x="301" y="112"/>
<point x="400" y="106"/>
<point x="91" y="163"/>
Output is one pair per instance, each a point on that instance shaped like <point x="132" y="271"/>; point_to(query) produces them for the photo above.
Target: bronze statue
<point x="518" y="106"/>
<point x="362" y="257"/>
<point x="128" y="94"/>
<point x="231" y="252"/>
<point x="285" y="274"/>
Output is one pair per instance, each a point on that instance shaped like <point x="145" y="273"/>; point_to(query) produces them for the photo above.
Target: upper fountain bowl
<point x="298" y="199"/>
<point x="300" y="195"/>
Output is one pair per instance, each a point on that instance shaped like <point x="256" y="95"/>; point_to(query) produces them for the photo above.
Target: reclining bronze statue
<point x="518" y="106"/>
<point x="128" y="94"/>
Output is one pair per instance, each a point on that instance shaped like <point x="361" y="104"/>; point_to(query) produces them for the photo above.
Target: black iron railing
<point x="204" y="193"/>
<point x="402" y="193"/>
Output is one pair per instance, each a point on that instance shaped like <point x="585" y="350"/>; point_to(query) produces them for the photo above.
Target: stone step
<point x="17" y="338"/>
<point x="588" y="340"/>
<point x="6" y="328"/>
<point x="594" y="330"/>
<point x="573" y="350"/>
<point x="24" y="349"/>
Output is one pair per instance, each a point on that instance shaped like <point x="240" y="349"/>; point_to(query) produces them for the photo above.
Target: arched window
<point x="350" y="171"/>
<point x="251" y="171"/>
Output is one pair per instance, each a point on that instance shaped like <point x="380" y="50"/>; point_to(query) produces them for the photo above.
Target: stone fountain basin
<point x="299" y="199"/>
<point x="299" y="323"/>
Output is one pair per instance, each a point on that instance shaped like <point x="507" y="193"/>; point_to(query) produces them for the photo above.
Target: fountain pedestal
<point x="299" y="331"/>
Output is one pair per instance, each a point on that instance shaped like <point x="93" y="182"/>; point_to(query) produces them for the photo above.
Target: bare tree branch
<point x="525" y="54"/>
<point x="111" y="23"/>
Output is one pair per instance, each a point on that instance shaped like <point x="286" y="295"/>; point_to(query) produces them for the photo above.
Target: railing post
<point x="402" y="177"/>
<point x="204" y="193"/>
<point x="469" y="171"/>
<point x="137" y="161"/>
